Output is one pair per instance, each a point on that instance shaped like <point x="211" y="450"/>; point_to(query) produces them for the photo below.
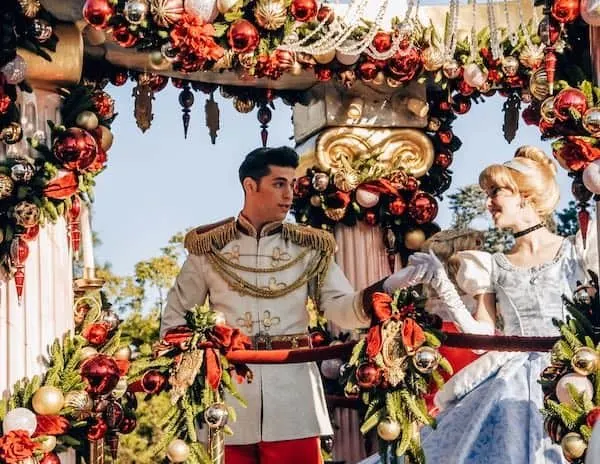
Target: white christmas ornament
<point x="591" y="177"/>
<point x="19" y="419"/>
<point x="590" y="12"/>
<point x="582" y="386"/>
<point x="205" y="9"/>
<point x="365" y="198"/>
<point x="14" y="71"/>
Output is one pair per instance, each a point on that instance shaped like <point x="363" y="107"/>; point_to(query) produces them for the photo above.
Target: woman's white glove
<point x="405" y="277"/>
<point x="435" y="276"/>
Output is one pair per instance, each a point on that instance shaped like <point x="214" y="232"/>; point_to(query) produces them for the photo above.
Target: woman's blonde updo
<point x="535" y="182"/>
<point x="447" y="243"/>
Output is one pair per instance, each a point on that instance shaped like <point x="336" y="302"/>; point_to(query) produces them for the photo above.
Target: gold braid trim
<point x="205" y="239"/>
<point x="309" y="237"/>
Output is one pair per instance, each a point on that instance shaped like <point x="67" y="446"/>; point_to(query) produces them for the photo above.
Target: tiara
<point x="517" y="165"/>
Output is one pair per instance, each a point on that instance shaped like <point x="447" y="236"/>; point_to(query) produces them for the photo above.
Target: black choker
<point x="527" y="231"/>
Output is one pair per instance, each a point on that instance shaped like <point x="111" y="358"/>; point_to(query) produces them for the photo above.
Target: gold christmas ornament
<point x="80" y="403"/>
<point x="538" y="84"/>
<point x="47" y="443"/>
<point x="325" y="58"/>
<point x="123" y="353"/>
<point x="547" y="110"/>
<point x="243" y="105"/>
<point x="270" y="14"/>
<point x="26" y="214"/>
<point x="414" y="239"/>
<point x="346" y="180"/>
<point x="106" y="138"/>
<point x="573" y="446"/>
<point x="433" y="58"/>
<point x="585" y="360"/>
<point x="510" y="66"/>
<point x="178" y="451"/>
<point x="166" y="12"/>
<point x="531" y="55"/>
<point x="30" y="7"/>
<point x="379" y="79"/>
<point x="12" y="133"/>
<point x="48" y="401"/>
<point x="7" y="186"/>
<point x="591" y="121"/>
<point x="426" y="359"/>
<point x="388" y="429"/>
<point x="87" y="120"/>
<point x="158" y="61"/>
<point x="335" y="214"/>
<point x="247" y="60"/>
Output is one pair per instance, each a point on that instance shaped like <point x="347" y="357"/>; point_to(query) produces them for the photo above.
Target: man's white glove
<point x="436" y="277"/>
<point x="405" y="277"/>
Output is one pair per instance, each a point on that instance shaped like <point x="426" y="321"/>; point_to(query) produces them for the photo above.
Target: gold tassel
<point x="203" y="239"/>
<point x="309" y="237"/>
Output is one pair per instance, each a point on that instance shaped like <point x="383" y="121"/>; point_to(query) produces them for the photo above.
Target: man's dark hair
<point x="257" y="162"/>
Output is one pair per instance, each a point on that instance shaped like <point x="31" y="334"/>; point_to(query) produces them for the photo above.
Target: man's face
<point x="272" y="196"/>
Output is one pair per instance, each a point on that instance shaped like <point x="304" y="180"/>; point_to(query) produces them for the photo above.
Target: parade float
<point x="375" y="87"/>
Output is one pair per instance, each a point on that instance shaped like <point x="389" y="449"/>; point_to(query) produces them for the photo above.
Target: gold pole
<point x="96" y="451"/>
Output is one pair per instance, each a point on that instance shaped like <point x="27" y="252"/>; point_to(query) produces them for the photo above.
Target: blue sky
<point x="159" y="183"/>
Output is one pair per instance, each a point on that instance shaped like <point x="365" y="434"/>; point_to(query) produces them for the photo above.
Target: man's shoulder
<point x="203" y="239"/>
<point x="309" y="237"/>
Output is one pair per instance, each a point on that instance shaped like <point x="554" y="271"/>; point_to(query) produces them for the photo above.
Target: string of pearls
<point x="451" y="36"/>
<point x="494" y="32"/>
<point x="474" y="44"/>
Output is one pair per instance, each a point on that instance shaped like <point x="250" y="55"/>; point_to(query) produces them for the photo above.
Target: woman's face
<point x="504" y="206"/>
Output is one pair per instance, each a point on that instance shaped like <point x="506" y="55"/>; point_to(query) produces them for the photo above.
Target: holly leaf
<point x="233" y="15"/>
<point x="220" y="29"/>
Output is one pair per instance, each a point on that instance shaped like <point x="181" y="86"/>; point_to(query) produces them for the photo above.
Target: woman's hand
<point x="408" y="276"/>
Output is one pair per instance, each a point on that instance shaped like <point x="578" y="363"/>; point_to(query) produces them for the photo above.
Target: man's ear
<point x="249" y="185"/>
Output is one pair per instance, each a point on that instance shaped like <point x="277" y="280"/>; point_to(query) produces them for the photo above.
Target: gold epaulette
<point x="203" y="239"/>
<point x="309" y="237"/>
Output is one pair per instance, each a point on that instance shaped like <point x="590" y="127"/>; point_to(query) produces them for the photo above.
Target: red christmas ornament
<point x="74" y="225"/>
<point x="370" y="218"/>
<point x="31" y="233"/>
<point x="367" y="71"/>
<point x="75" y="149"/>
<point x="411" y="184"/>
<point x="405" y="64"/>
<point x="397" y="206"/>
<point x="382" y="42"/>
<point x="461" y="104"/>
<point x="158" y="82"/>
<point x="444" y="105"/>
<point x="5" y="103"/>
<point x="302" y="187"/>
<point x="325" y="13"/>
<point x="303" y="10"/>
<point x="445" y="136"/>
<point x="97" y="430"/>
<point x="19" y="251"/>
<point x="99" y="162"/>
<point x="317" y="339"/>
<point x="119" y="78"/>
<point x="368" y="375"/>
<point x="153" y="381"/>
<point x="565" y="11"/>
<point x="97" y="13"/>
<point x="242" y="36"/>
<point x="444" y="159"/>
<point x="104" y="104"/>
<point x="101" y="374"/>
<point x="423" y="208"/>
<point x="96" y="333"/>
<point x="323" y="74"/>
<point x="128" y="425"/>
<point x="592" y="417"/>
<point x="568" y="99"/>
<point x="465" y="89"/>
<point x="50" y="458"/>
<point x="123" y="36"/>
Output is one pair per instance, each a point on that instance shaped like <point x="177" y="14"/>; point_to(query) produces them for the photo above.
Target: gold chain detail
<point x="240" y="267"/>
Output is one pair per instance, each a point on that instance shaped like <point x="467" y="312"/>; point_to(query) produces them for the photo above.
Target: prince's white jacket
<point x="284" y="401"/>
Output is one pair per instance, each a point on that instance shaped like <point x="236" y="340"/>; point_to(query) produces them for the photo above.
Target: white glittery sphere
<point x="205" y="9"/>
<point x="19" y="419"/>
<point x="365" y="198"/>
<point x="582" y="385"/>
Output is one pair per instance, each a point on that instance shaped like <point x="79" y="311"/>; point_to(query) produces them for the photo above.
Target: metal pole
<point x="595" y="58"/>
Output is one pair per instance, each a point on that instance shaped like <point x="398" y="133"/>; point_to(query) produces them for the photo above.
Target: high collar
<point x="246" y="227"/>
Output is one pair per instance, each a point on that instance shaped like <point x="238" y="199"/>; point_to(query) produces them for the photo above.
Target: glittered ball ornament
<point x="26" y="214"/>
<point x="382" y="42"/>
<point x="12" y="133"/>
<point x="270" y="14"/>
<point x="367" y="71"/>
<point x="591" y="121"/>
<point x="48" y="401"/>
<point x="585" y="360"/>
<point x="433" y="58"/>
<point x="581" y="384"/>
<point x="320" y="181"/>
<point x="474" y="76"/>
<point x="216" y="416"/>
<point x="569" y="99"/>
<point x="423" y="208"/>
<point x="166" y="12"/>
<point x="178" y="451"/>
<point x="510" y="65"/>
<point x="388" y="429"/>
<point x="75" y="148"/>
<point x="96" y="333"/>
<point x="104" y="104"/>
<point x="7" y="186"/>
<point x="330" y="368"/>
<point x="19" y="419"/>
<point x="345" y="180"/>
<point x="565" y="11"/>
<point x="206" y="10"/>
<point x="97" y="13"/>
<point x="573" y="446"/>
<point x="366" y="198"/>
<point x="242" y="36"/>
<point x="101" y="373"/>
<point x="303" y="10"/>
<point x="397" y="206"/>
<point x="368" y="375"/>
<point x="452" y="69"/>
<point x="153" y="381"/>
<point x="80" y="403"/>
<point x="591" y="177"/>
